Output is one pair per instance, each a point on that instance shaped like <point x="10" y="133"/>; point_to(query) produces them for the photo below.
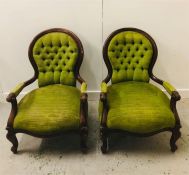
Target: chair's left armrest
<point x="171" y="91"/>
<point x="168" y="87"/>
<point x="83" y="88"/>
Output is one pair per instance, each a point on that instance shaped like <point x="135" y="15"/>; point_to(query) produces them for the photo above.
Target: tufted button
<point x="67" y="44"/>
<point x="44" y="71"/>
<point x="38" y="53"/>
<point x="51" y="45"/>
<point x="142" y="55"/>
<point x="59" y="57"/>
<point x="125" y="68"/>
<point x="118" y="69"/>
<point x="68" y="57"/>
<point x="129" y="62"/>
<point x="141" y="42"/>
<point x="125" y="56"/>
<point x="133" y="55"/>
<point x="137" y="49"/>
<point x="68" y="70"/>
<point x="72" y="51"/>
<point x="47" y="52"/>
<point x="142" y="68"/>
<point x="121" y="50"/>
<point x="43" y="58"/>
<point x="132" y="42"/>
<point x="137" y="61"/>
<point x="124" y="43"/>
<point x="56" y="51"/>
<point x="113" y="50"/>
<point x="56" y="64"/>
<point x="59" y="44"/>
<point x="121" y="62"/>
<point x="117" y="56"/>
<point x="116" y="43"/>
<point x="64" y="51"/>
<point x="133" y="68"/>
<point x="129" y="49"/>
<point x="42" y="45"/>
<point x="64" y="64"/>
<point x="48" y="64"/>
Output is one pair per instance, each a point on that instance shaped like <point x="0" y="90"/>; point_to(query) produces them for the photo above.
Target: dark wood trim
<point x="83" y="129"/>
<point x="104" y="130"/>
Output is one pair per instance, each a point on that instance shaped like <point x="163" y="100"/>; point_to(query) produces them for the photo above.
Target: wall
<point x="165" y="20"/>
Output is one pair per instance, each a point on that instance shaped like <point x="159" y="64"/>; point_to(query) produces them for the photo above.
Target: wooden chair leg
<point x="104" y="140"/>
<point x="12" y="138"/>
<point x="176" y="134"/>
<point x="83" y="139"/>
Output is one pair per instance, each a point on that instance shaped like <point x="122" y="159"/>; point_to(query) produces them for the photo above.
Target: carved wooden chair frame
<point x="83" y="129"/>
<point x="104" y="130"/>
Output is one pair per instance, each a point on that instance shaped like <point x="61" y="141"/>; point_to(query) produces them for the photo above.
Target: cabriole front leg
<point x="176" y="134"/>
<point x="104" y="139"/>
<point x="83" y="139"/>
<point x="11" y="136"/>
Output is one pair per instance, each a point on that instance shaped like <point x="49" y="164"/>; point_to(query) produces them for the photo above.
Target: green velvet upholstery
<point x="169" y="88"/>
<point x="137" y="107"/>
<point x="130" y="54"/>
<point x="49" y="109"/>
<point x="104" y="87"/>
<point x="56" y="55"/>
<point x="83" y="87"/>
<point x="17" y="89"/>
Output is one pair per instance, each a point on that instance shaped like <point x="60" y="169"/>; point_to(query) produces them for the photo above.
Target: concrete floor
<point x="128" y="155"/>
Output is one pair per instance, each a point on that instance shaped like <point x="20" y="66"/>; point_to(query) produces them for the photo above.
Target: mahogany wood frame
<point x="104" y="130"/>
<point x="83" y="129"/>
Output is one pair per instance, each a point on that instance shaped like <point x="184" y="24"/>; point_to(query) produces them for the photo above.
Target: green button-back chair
<point x="57" y="106"/>
<point x="132" y="104"/>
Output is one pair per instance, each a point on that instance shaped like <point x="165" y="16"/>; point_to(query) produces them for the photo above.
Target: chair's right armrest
<point x="15" y="92"/>
<point x="103" y="99"/>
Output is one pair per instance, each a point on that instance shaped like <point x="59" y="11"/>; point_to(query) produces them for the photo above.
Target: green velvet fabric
<point x="83" y="87"/>
<point x="138" y="107"/>
<point x="130" y="54"/>
<point x="104" y="87"/>
<point x="18" y="89"/>
<point x="56" y="54"/>
<point x="49" y="109"/>
<point x="169" y="88"/>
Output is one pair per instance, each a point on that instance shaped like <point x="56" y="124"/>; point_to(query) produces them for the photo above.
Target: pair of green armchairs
<point x="130" y="104"/>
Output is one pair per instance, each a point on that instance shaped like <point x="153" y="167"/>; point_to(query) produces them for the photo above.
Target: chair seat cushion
<point x="49" y="109"/>
<point x="138" y="107"/>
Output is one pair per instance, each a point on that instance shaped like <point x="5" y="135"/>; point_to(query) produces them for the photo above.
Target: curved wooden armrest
<point x="168" y="87"/>
<point x="175" y="95"/>
<point x="10" y="97"/>
<point x="16" y="91"/>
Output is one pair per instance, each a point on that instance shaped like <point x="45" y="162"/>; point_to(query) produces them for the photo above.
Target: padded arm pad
<point x="18" y="89"/>
<point x="104" y="87"/>
<point x="168" y="87"/>
<point x="83" y="87"/>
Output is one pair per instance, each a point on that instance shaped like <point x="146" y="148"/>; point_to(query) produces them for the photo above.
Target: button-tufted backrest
<point x="56" y="56"/>
<point x="130" y="54"/>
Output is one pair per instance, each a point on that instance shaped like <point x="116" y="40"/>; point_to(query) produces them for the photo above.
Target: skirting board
<point x="92" y="95"/>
